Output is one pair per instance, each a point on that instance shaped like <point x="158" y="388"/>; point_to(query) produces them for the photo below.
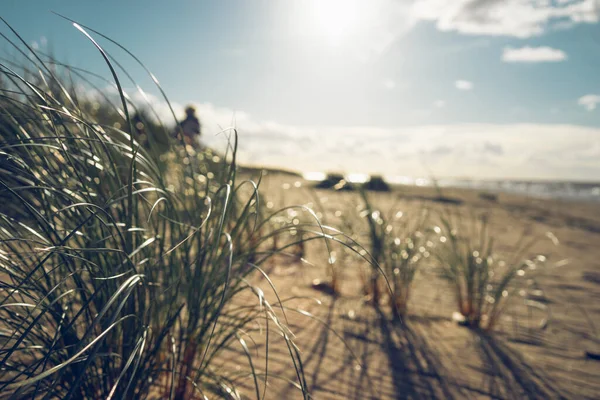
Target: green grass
<point x="127" y="259"/>
<point x="123" y="274"/>
<point x="398" y="244"/>
<point x="483" y="282"/>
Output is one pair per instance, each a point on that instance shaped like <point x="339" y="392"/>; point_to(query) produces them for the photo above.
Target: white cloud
<point x="389" y="84"/>
<point x="518" y="18"/>
<point x="521" y="151"/>
<point x="589" y="101"/>
<point x="462" y="84"/>
<point x="528" y="54"/>
<point x="439" y="104"/>
<point x="382" y="22"/>
<point x="468" y="150"/>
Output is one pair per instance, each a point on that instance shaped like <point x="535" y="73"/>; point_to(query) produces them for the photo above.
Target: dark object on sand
<point x="377" y="184"/>
<point x="446" y="200"/>
<point x="488" y="196"/>
<point x="323" y="287"/>
<point x="591" y="276"/>
<point x="334" y="181"/>
<point x="592" y="355"/>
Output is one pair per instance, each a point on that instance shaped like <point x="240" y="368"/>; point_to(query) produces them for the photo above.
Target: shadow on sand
<point x="508" y="375"/>
<point x="370" y="356"/>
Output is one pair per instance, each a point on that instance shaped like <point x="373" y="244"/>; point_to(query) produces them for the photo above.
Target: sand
<point x="352" y="350"/>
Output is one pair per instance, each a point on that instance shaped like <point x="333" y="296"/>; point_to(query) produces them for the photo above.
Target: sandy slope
<point x="359" y="353"/>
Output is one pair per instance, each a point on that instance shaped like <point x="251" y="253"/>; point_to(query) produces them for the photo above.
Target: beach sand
<point x="352" y="350"/>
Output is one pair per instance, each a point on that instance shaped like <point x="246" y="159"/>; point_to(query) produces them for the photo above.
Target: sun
<point x="336" y="20"/>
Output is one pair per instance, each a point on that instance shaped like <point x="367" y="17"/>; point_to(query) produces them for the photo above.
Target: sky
<point x="452" y="88"/>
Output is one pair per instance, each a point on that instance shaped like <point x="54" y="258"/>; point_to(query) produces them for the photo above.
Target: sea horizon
<point x="559" y="189"/>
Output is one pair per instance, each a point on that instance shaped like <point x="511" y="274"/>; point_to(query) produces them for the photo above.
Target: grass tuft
<point x="484" y="283"/>
<point x="124" y="272"/>
<point x="398" y="244"/>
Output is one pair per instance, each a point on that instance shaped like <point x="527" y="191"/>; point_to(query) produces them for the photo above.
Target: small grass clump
<point x="398" y="245"/>
<point x="482" y="282"/>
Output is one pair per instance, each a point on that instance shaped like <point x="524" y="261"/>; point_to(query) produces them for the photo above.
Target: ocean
<point x="573" y="191"/>
<point x="561" y="190"/>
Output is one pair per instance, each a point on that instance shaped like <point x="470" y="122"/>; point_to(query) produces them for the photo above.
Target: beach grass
<point x="483" y="281"/>
<point x="131" y="263"/>
<point x="125" y="268"/>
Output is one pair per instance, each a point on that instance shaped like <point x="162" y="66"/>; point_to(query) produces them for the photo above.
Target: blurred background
<point x="472" y="92"/>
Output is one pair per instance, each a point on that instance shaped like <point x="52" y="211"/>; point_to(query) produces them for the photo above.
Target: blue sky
<point x="480" y="88"/>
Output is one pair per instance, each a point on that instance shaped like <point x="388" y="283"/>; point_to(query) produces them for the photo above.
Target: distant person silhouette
<point x="190" y="127"/>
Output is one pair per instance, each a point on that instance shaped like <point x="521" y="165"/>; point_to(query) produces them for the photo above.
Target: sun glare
<point x="314" y="176"/>
<point x="336" y="20"/>
<point x="357" y="178"/>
